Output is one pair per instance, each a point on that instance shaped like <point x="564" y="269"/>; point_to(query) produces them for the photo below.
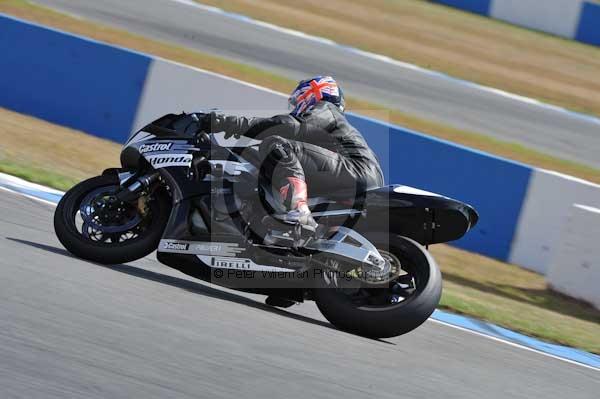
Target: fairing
<point x="426" y="217"/>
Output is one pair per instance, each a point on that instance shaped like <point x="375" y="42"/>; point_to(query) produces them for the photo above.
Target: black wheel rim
<point x="103" y="219"/>
<point x="401" y="288"/>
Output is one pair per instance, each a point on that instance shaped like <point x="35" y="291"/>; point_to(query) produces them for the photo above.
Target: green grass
<point x="37" y="175"/>
<point x="582" y="339"/>
<point x="514" y="298"/>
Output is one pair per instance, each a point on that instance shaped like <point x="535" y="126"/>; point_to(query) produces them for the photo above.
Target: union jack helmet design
<point x="311" y="91"/>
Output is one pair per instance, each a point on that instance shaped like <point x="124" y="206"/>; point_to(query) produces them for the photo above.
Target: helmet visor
<point x="292" y="102"/>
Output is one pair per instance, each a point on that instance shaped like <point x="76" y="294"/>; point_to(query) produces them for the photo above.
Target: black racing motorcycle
<point x="209" y="213"/>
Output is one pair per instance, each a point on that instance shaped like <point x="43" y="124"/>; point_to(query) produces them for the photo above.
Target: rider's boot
<point x="294" y="196"/>
<point x="279" y="302"/>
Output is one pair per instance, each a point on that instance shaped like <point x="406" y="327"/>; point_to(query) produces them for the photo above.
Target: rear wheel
<point x="93" y="224"/>
<point x="400" y="304"/>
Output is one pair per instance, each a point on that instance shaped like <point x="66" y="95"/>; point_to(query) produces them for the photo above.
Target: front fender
<point x="111" y="171"/>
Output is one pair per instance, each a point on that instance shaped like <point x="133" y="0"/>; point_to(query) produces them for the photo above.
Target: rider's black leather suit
<point x="320" y="147"/>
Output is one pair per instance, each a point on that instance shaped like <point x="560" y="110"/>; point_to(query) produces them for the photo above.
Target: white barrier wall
<point x="173" y="87"/>
<point x="574" y="19"/>
<point x="574" y="269"/>
<point x="549" y="199"/>
<point x="560" y="17"/>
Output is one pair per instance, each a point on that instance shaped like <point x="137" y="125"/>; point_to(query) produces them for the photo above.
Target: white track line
<point x="28" y="196"/>
<point x="514" y="344"/>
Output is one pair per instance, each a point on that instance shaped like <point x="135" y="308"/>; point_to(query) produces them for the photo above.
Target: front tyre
<point x="395" y="308"/>
<point x="92" y="224"/>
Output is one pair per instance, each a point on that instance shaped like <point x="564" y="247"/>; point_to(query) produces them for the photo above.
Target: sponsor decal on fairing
<point x="155" y="147"/>
<point x="166" y="160"/>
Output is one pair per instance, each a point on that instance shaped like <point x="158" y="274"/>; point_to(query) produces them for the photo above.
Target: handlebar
<point x="202" y="137"/>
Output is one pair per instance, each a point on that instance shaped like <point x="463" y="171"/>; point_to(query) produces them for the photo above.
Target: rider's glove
<point x="222" y="123"/>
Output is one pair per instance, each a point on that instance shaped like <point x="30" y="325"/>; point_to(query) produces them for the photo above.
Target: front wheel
<point x="93" y="224"/>
<point x="396" y="307"/>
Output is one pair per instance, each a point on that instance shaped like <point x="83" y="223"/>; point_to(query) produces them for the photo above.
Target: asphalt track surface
<point x="71" y="328"/>
<point x="433" y="97"/>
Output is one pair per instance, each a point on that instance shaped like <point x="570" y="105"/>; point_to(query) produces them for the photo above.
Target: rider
<point x="314" y="146"/>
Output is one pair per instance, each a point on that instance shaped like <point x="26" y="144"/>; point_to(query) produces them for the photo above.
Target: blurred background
<point x="493" y="102"/>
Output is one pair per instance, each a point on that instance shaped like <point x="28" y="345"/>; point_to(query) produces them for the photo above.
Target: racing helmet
<point x="311" y="91"/>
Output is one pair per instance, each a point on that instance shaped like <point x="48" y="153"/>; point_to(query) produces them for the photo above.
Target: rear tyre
<point x="399" y="307"/>
<point x="123" y="234"/>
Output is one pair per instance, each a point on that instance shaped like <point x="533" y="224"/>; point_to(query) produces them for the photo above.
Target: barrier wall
<point x="550" y="196"/>
<point x="78" y="83"/>
<point x="574" y="269"/>
<point x="495" y="187"/>
<point x="107" y="91"/>
<point x="573" y="19"/>
<point x="173" y="87"/>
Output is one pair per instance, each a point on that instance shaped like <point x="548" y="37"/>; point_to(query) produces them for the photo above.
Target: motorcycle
<point x="209" y="212"/>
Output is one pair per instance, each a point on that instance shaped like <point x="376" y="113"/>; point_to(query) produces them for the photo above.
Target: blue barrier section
<point x="494" y="186"/>
<point x="477" y="6"/>
<point x="588" y="30"/>
<point x="69" y="80"/>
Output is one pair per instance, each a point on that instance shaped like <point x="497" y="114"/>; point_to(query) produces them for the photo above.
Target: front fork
<point x="132" y="188"/>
